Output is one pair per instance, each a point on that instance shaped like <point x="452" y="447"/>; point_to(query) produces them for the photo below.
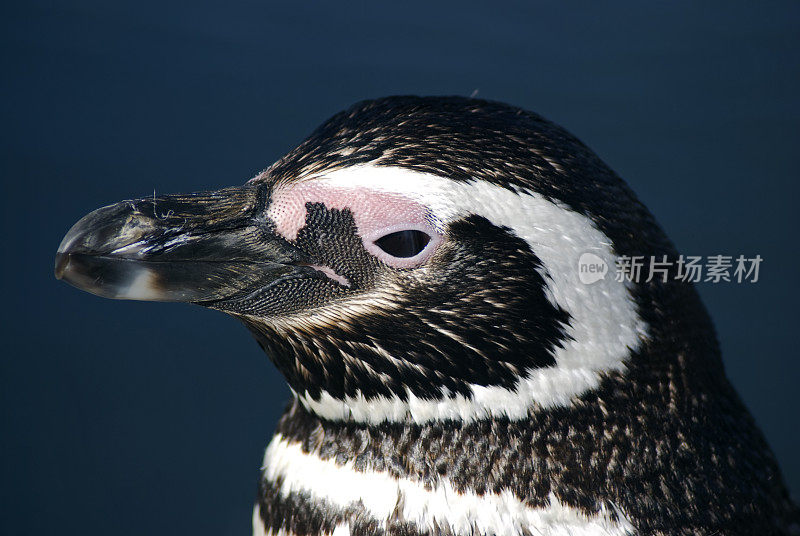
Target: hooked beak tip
<point x="62" y="264"/>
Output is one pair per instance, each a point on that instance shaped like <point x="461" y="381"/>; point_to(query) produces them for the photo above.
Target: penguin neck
<point x="536" y="460"/>
<point x="459" y="452"/>
<point x="320" y="473"/>
<point x="567" y="450"/>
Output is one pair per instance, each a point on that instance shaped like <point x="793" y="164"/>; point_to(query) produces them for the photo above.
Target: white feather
<point x="258" y="523"/>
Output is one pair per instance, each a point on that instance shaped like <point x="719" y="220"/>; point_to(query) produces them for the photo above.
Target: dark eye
<point x="403" y="244"/>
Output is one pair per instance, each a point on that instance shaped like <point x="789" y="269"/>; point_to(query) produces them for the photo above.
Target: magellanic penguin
<point x="412" y="269"/>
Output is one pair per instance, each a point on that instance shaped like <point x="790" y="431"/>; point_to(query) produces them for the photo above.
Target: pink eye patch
<point x="392" y="227"/>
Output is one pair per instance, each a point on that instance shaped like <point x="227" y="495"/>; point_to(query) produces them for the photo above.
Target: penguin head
<point x="414" y="258"/>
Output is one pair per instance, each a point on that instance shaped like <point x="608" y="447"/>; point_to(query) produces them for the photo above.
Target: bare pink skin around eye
<point x="376" y="214"/>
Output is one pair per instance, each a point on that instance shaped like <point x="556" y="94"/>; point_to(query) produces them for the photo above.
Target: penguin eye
<point x="403" y="244"/>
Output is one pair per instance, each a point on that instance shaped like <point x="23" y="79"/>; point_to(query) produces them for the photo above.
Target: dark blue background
<point x="141" y="418"/>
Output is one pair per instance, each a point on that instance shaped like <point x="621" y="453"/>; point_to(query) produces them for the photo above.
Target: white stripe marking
<point x="258" y="523"/>
<point x="384" y="497"/>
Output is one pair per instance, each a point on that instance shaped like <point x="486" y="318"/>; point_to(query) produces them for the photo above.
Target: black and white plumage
<point x="412" y="269"/>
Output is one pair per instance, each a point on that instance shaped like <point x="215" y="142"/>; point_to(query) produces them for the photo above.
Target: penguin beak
<point x="199" y="247"/>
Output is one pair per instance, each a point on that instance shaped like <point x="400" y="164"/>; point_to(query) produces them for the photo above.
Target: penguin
<point x="412" y="269"/>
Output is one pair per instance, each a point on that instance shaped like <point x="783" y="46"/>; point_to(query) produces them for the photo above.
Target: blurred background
<point x="143" y="418"/>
